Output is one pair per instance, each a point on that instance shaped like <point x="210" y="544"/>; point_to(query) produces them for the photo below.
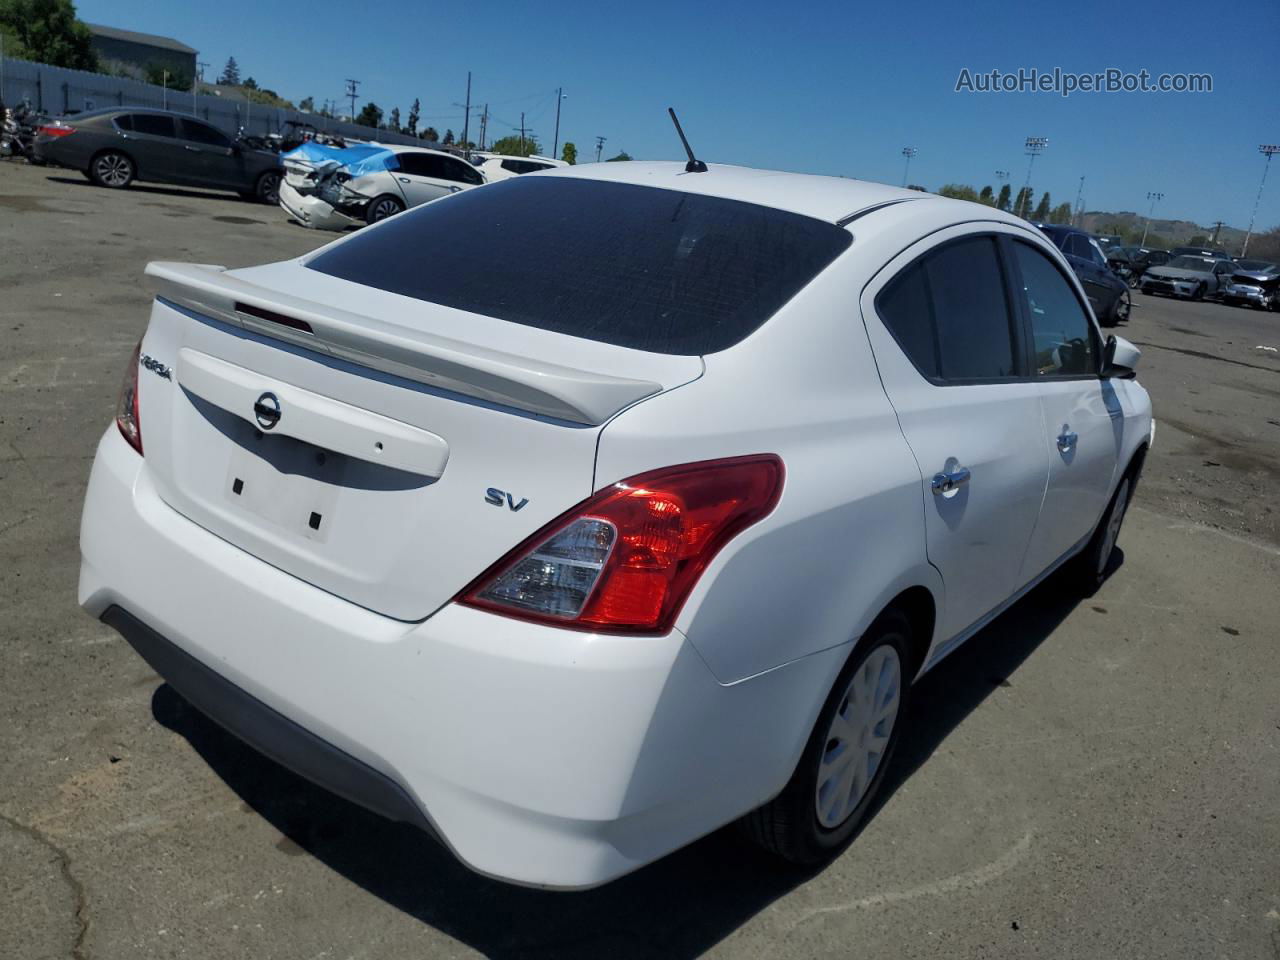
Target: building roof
<point x="132" y="36"/>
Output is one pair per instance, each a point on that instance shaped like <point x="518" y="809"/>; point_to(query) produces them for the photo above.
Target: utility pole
<point x="555" y="146"/>
<point x="907" y="152"/>
<point x="1154" y="198"/>
<point x="1270" y="149"/>
<point x="466" y="122"/>
<point x="522" y="153"/>
<point x="1034" y="146"/>
<point x="599" y="147"/>
<point x="1217" y="228"/>
<point x="195" y="87"/>
<point x="1079" y="208"/>
<point x="351" y="92"/>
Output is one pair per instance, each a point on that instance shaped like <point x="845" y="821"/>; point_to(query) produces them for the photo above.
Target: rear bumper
<point x="540" y="756"/>
<point x="311" y="211"/>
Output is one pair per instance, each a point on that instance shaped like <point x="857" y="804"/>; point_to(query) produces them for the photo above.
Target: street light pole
<point x="555" y="146"/>
<point x="466" y="121"/>
<point x="1033" y="147"/>
<point x="907" y="152"/>
<point x="1270" y="149"/>
<point x="1154" y="198"/>
<point x="1079" y="208"/>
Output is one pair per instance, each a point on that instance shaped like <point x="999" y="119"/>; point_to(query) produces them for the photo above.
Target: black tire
<point x="1133" y="280"/>
<point x="1198" y="292"/>
<point x="382" y="207"/>
<point x="1120" y="308"/>
<point x="789" y="825"/>
<point x="112" y="169"/>
<point x="1092" y="565"/>
<point x="267" y="188"/>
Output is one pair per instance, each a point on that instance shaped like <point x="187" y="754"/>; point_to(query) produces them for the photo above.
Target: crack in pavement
<point x="64" y="866"/>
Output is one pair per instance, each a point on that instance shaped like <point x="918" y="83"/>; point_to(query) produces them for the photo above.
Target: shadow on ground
<point x="678" y="907"/>
<point x="153" y="189"/>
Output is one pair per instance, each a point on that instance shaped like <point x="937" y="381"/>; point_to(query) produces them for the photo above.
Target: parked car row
<point x="325" y="186"/>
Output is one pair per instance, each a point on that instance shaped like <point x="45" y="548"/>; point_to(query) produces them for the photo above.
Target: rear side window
<point x="124" y="122"/>
<point x="437" y="167"/>
<point x="153" y="124"/>
<point x="524" y="166"/>
<point x="950" y="314"/>
<point x="639" y="267"/>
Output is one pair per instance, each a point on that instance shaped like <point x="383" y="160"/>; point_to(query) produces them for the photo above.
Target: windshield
<point x="1191" y="263"/>
<point x="639" y="267"/>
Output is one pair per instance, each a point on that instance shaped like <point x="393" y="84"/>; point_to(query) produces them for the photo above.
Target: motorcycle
<point x="18" y="132"/>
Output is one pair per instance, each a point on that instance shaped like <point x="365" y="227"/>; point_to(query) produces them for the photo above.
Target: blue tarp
<point x="358" y="160"/>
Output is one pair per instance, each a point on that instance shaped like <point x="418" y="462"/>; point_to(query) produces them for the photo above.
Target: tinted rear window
<point x="639" y="267"/>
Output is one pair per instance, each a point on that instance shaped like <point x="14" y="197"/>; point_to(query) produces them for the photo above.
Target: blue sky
<point x="832" y="88"/>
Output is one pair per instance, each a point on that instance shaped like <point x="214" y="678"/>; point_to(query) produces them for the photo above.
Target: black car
<point x="1214" y="253"/>
<point x="1107" y="293"/>
<point x="1130" y="263"/>
<point x="115" y="147"/>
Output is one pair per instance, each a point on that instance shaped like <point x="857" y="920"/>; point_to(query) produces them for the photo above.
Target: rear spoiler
<point x="565" y="393"/>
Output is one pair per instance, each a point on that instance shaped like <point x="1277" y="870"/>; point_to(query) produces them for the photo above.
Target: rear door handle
<point x="946" y="482"/>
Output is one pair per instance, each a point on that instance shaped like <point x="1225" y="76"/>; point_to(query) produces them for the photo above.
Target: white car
<point x="500" y="166"/>
<point x="333" y="189"/>
<point x="645" y="526"/>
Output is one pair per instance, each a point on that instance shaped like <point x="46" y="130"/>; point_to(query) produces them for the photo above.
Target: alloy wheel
<point x="384" y="208"/>
<point x="1123" y="305"/>
<point x="113" y="169"/>
<point x="859" y="736"/>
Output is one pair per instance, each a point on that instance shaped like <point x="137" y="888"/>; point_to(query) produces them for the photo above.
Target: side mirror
<point x="1120" y="359"/>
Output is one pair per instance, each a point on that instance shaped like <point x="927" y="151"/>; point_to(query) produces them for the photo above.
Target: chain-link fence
<point x="59" y="91"/>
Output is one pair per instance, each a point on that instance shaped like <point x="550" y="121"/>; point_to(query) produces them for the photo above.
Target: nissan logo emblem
<point x="266" y="410"/>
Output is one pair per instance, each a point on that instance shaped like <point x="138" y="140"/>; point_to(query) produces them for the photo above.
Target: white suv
<point x="645" y="527"/>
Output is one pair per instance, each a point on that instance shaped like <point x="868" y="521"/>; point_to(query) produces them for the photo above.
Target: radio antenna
<point x="694" y="165"/>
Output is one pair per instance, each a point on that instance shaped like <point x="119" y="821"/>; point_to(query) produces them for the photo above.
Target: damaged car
<point x="332" y="189"/>
<point x="1193" y="277"/>
<point x="1255" y="283"/>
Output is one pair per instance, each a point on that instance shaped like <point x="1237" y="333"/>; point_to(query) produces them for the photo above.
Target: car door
<point x="420" y="177"/>
<point x="1083" y="417"/>
<point x="211" y="157"/>
<point x="1223" y="270"/>
<point x="153" y="141"/>
<point x="950" y="354"/>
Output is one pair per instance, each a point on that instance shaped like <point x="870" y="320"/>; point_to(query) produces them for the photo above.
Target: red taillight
<point x="56" y="130"/>
<point x="626" y="559"/>
<point x="127" y="406"/>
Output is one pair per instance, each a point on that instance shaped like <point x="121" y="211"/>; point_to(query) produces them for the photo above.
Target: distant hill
<point x="1173" y="232"/>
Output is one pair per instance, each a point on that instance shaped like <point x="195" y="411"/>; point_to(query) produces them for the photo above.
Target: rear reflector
<point x="272" y="317"/>
<point x="626" y="560"/>
<point x="127" y="405"/>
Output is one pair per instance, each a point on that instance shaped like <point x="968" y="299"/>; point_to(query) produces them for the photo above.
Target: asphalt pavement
<point x="1085" y="778"/>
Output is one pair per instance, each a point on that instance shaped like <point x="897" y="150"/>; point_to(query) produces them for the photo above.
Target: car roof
<point x="407" y="147"/>
<point x="834" y="199"/>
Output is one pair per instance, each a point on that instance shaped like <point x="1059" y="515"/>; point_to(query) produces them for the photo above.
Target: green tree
<point x="1002" y="201"/>
<point x="46" y="31"/>
<point x="411" y="128"/>
<point x="916" y="186"/>
<point x="622" y="155"/>
<point x="1022" y="203"/>
<point x="1061" y="213"/>
<point x="250" y="84"/>
<point x="230" y="73"/>
<point x="959" y="191"/>
<point x="307" y="105"/>
<point x="431" y="134"/>
<point x="448" y="137"/>
<point x="513" y="146"/>
<point x="1199" y="240"/>
<point x="161" y="75"/>
<point x="569" y="154"/>
<point x="1042" y="208"/>
<point x="394" y="123"/>
<point x="370" y="115"/>
<point x="987" y="196"/>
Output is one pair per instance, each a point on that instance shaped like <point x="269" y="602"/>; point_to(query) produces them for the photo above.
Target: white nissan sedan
<point x="646" y="527"/>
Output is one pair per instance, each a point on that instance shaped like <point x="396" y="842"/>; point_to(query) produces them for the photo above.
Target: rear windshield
<point x="639" y="267"/>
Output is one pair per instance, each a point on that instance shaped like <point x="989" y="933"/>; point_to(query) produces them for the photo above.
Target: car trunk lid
<point x="384" y="449"/>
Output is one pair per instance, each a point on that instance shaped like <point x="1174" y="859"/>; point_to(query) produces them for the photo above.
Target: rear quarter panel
<point x="848" y="532"/>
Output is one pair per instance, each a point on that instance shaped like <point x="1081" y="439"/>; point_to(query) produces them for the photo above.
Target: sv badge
<point x="498" y="497"/>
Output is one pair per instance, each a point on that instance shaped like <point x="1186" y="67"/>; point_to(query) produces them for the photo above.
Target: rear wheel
<point x="1198" y="292"/>
<point x="844" y="763"/>
<point x="1120" y="308"/>
<point x="112" y="169"/>
<point x="382" y="207"/>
